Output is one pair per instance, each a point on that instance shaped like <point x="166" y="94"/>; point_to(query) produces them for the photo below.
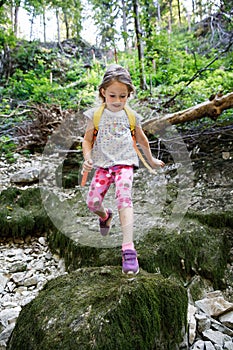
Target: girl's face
<point x="116" y="96"/>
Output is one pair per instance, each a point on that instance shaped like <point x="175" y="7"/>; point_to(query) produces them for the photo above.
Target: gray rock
<point x="29" y="175"/>
<point x="199" y="345"/>
<point x="227" y="319"/>
<point x="32" y="281"/>
<point x="215" y="337"/>
<point x="9" y="314"/>
<point x="7" y="332"/>
<point x="3" y="282"/>
<point x="203" y="322"/>
<point x="214" y="305"/>
<point x="18" y="278"/>
<point x="228" y="345"/>
<point x="22" y="276"/>
<point x="209" y="346"/>
<point x="218" y="326"/>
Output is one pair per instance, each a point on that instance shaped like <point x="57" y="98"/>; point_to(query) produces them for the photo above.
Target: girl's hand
<point x="155" y="163"/>
<point x="87" y="165"/>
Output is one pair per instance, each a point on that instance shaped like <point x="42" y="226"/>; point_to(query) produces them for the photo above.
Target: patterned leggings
<point x="122" y="176"/>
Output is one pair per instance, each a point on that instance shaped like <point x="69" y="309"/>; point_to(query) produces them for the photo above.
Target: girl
<point x="114" y="158"/>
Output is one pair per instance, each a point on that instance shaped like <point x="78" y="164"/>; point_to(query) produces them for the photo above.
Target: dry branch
<point x="15" y="113"/>
<point x="45" y="121"/>
<point x="211" y="109"/>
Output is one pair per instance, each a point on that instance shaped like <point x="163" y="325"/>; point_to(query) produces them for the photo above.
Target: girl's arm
<point x="87" y="146"/>
<point x="144" y="144"/>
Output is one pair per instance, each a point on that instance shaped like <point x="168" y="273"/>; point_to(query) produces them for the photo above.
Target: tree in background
<point x="140" y="49"/>
<point x="68" y="13"/>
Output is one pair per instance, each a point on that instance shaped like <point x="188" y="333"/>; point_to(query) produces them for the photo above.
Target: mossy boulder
<point x="100" y="308"/>
<point x="22" y="213"/>
<point x="192" y="249"/>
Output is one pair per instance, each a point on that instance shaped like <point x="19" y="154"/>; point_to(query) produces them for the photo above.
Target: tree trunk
<point x="66" y="25"/>
<point x="138" y="32"/>
<point x="179" y="12"/>
<point x="58" y="30"/>
<point x="16" y="13"/>
<point x="32" y="22"/>
<point x="44" y="24"/>
<point x="211" y="109"/>
<point x="170" y="17"/>
<point x="124" y="25"/>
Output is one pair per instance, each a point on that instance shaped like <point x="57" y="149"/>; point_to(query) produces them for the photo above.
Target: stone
<point x="214" y="305"/>
<point x="18" y="278"/>
<point x="8" y="314"/>
<point x="199" y="345"/>
<point x="3" y="282"/>
<point x="28" y="175"/>
<point x="22" y="294"/>
<point x="203" y="322"/>
<point x="227" y="319"/>
<point x="18" y="267"/>
<point x="191" y="323"/>
<point x="228" y="345"/>
<point x="215" y="337"/>
<point x="31" y="281"/>
<point x="218" y="326"/>
<point x="42" y="241"/>
<point x="7" y="332"/>
<point x="20" y="288"/>
<point x="218" y="347"/>
<point x="11" y="286"/>
<point x="209" y="345"/>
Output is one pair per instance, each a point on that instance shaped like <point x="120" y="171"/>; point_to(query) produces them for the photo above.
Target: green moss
<point x="192" y="249"/>
<point x="189" y="250"/>
<point x="76" y="255"/>
<point x="214" y="219"/>
<point x="102" y="309"/>
<point x="22" y="213"/>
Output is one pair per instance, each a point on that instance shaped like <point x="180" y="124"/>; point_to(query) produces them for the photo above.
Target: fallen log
<point x="211" y="109"/>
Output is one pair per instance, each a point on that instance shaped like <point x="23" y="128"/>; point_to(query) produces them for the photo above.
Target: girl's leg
<point x="123" y="182"/>
<point x="102" y="213"/>
<point x="98" y="188"/>
<point x="126" y="220"/>
<point x="97" y="191"/>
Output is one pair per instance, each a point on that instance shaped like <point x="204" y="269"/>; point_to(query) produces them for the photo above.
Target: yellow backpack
<point x="132" y="122"/>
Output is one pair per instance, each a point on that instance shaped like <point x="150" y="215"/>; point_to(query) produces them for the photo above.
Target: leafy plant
<point x="7" y="147"/>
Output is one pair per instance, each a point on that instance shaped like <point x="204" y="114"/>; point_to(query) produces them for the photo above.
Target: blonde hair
<point x="116" y="73"/>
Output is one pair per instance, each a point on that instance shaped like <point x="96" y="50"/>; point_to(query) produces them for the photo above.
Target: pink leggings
<point x="122" y="176"/>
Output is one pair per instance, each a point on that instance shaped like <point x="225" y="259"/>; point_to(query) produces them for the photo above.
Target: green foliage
<point x="7" y="148"/>
<point x="175" y="63"/>
<point x="7" y="38"/>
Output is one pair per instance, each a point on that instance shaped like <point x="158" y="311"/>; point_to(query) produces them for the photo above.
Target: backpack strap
<point x="97" y="116"/>
<point x="132" y="119"/>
